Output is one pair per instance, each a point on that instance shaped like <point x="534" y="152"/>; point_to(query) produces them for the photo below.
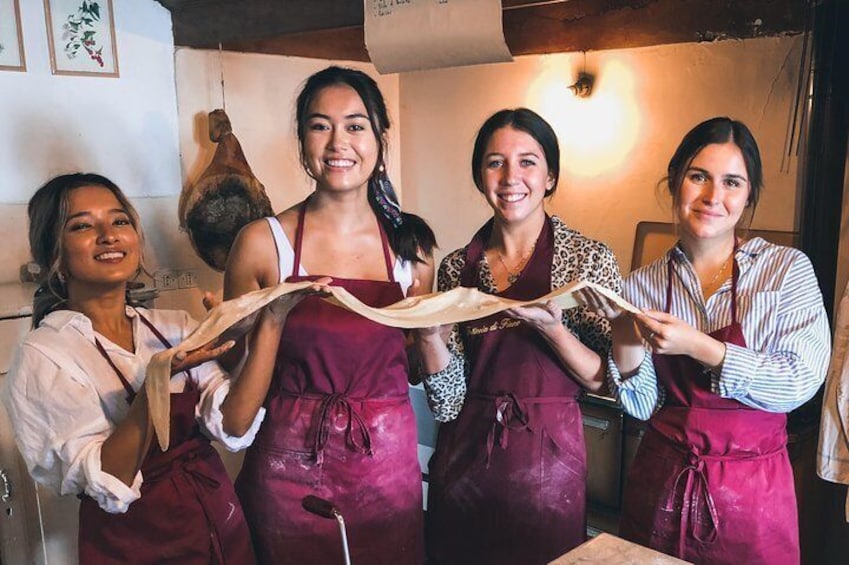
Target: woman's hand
<point x="278" y="310"/>
<point x="545" y="318"/>
<point x="627" y="343"/>
<point x="668" y="335"/>
<point x="599" y="304"/>
<point x="183" y="361"/>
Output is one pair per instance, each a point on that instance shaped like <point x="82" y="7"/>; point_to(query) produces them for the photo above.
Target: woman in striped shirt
<point x="734" y="335"/>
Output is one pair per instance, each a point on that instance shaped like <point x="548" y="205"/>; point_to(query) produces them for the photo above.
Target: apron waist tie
<point x="511" y="414"/>
<point x="696" y="493"/>
<point x="356" y="431"/>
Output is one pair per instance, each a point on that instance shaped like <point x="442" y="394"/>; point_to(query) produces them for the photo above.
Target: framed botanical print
<point x="81" y="37"/>
<point x="11" y="40"/>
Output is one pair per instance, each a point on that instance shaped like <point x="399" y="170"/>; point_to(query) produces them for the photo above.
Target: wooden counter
<point x="606" y="549"/>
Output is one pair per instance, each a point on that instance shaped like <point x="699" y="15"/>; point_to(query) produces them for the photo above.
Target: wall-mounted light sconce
<point x="583" y="87"/>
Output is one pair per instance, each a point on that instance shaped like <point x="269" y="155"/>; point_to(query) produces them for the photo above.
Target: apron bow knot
<point x="509" y="414"/>
<point x="696" y="496"/>
<point x="356" y="431"/>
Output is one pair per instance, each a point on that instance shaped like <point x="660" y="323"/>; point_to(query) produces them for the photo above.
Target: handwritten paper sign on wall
<point x="412" y="35"/>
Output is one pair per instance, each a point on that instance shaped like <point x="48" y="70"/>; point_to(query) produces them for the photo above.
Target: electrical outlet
<point x="187" y="279"/>
<point x="166" y="279"/>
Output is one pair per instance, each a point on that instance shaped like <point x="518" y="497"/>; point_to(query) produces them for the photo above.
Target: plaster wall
<point x="615" y="145"/>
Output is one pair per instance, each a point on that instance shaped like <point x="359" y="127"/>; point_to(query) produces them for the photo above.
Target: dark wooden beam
<point x="583" y="25"/>
<point x="333" y="29"/>
<point x="205" y="23"/>
<point x="346" y="44"/>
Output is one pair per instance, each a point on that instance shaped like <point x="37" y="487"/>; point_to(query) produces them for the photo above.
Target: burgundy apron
<point x="711" y="481"/>
<point x="339" y="425"/>
<point x="508" y="478"/>
<point x="188" y="511"/>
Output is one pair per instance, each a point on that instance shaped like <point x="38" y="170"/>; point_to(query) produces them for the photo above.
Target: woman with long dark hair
<point x="508" y="478"/>
<point x="338" y="420"/>
<point x="76" y="395"/>
<point x="734" y="335"/>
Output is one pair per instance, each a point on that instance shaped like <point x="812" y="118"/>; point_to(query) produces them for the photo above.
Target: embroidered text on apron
<point x="188" y="512"/>
<point x="711" y="482"/>
<point x="508" y="478"/>
<point x="338" y="425"/>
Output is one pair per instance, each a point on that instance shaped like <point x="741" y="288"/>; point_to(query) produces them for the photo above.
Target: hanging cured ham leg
<point x="225" y="197"/>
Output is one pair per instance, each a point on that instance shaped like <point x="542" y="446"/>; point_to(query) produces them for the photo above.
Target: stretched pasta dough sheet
<point x="235" y="317"/>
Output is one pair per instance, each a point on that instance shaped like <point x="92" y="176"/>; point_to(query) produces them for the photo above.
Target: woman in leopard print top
<point x="514" y="375"/>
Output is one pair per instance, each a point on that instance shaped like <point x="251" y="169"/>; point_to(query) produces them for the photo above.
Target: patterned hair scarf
<point x="384" y="195"/>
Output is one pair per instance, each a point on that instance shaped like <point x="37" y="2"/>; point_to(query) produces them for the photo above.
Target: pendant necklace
<point x="513" y="274"/>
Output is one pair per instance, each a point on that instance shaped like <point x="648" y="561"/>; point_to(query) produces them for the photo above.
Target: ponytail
<point x="410" y="237"/>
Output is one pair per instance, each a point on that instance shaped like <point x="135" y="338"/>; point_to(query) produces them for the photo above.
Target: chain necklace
<point x="719" y="272"/>
<point x="513" y="274"/>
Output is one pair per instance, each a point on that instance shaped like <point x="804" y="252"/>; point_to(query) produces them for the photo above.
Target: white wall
<point x="125" y="128"/>
<point x="615" y="145"/>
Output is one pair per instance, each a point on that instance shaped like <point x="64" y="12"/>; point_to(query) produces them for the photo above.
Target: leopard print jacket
<point x="575" y="258"/>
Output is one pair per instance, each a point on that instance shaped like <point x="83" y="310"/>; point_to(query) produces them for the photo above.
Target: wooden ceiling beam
<point x="333" y="29"/>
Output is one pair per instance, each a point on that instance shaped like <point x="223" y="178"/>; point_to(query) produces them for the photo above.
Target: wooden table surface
<point x="606" y="549"/>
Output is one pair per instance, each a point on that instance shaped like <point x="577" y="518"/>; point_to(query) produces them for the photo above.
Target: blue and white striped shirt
<point x="780" y="308"/>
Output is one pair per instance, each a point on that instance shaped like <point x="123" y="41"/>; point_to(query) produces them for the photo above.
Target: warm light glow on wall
<point x="596" y="133"/>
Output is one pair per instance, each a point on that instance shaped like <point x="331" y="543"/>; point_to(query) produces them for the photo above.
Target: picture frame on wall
<point x="12" y="56"/>
<point x="81" y="37"/>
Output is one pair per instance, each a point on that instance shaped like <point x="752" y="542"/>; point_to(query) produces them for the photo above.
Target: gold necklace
<point x="513" y="274"/>
<point x="720" y="271"/>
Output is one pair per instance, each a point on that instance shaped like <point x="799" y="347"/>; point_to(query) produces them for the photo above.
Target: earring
<point x="61" y="276"/>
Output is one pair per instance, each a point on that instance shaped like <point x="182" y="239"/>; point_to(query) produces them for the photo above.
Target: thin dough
<point x="235" y="317"/>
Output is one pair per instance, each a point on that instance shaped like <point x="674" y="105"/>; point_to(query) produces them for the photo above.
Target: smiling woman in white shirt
<point x="734" y="335"/>
<point x="76" y="399"/>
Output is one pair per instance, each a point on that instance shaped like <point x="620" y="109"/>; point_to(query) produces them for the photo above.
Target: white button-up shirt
<point x="64" y="400"/>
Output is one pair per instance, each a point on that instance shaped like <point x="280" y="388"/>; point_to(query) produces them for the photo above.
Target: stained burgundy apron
<point x="188" y="511"/>
<point x="338" y="425"/>
<point x="711" y="482"/>
<point x="508" y="478"/>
